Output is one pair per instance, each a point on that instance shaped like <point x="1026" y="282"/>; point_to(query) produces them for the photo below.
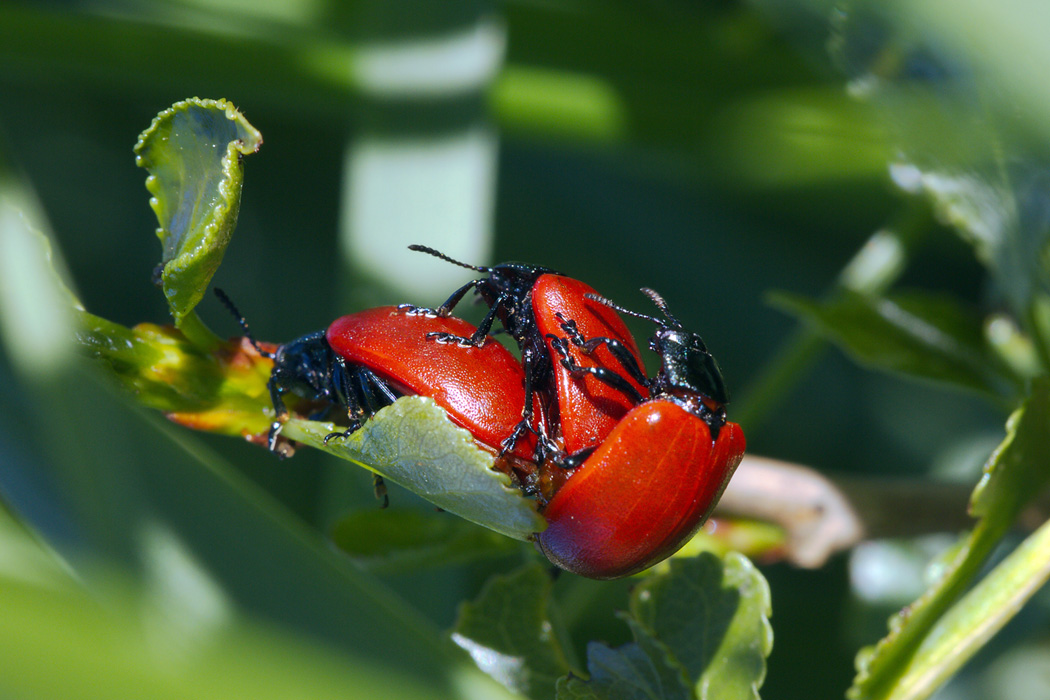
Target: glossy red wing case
<point x="588" y="408"/>
<point x="482" y="389"/>
<point x="642" y="495"/>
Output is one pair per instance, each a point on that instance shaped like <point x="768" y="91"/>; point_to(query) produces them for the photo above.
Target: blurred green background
<point x="710" y="150"/>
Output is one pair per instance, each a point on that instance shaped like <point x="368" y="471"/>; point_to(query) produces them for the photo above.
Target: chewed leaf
<point x="412" y="443"/>
<point x="193" y="153"/>
<point x="713" y="615"/>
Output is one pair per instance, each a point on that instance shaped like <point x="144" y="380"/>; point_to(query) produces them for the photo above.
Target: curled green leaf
<point x="193" y="152"/>
<point x="412" y="443"/>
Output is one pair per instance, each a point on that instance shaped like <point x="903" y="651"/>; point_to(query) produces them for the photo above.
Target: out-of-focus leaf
<point x="721" y="535"/>
<point x="35" y="332"/>
<point x="398" y="541"/>
<point x="193" y="152"/>
<point x="701" y="630"/>
<point x="509" y="632"/>
<point x="1016" y="471"/>
<point x="956" y="129"/>
<point x="61" y="642"/>
<point x="26" y="559"/>
<point x="105" y="480"/>
<point x="915" y="334"/>
<point x="982" y="612"/>
<point x="412" y="443"/>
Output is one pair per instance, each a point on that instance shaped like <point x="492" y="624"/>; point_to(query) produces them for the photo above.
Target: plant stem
<point x="872" y="269"/>
<point x="197" y="333"/>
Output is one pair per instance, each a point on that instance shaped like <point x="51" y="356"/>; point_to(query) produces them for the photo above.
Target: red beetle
<point x="366" y="360"/>
<point x="481" y="388"/>
<point x="536" y="305"/>
<point x="653" y="482"/>
<point x="591" y="402"/>
<point x="641" y="495"/>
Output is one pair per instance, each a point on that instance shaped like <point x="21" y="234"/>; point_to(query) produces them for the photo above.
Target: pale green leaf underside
<point x="412" y="443"/>
<point x="509" y="633"/>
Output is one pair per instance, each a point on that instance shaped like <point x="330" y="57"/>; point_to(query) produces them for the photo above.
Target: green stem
<point x="877" y="265"/>
<point x="1038" y="322"/>
<point x="197" y="333"/>
<point x="790" y="365"/>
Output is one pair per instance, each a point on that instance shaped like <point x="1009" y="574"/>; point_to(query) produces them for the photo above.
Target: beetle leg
<point x="451" y="339"/>
<point x="379" y="488"/>
<point x="602" y="374"/>
<point x="511" y="440"/>
<point x="280" y="415"/>
<point x="624" y="356"/>
<point x="445" y="309"/>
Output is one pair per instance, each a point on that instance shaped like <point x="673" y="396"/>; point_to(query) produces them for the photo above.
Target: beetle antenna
<point x="243" y="322"/>
<point x="438" y="254"/>
<point x="616" y="307"/>
<point x="662" y="305"/>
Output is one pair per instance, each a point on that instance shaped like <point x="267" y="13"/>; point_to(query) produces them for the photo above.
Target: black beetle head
<point x="687" y="367"/>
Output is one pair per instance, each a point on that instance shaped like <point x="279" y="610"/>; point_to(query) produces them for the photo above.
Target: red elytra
<point x="588" y="408"/>
<point x="642" y="494"/>
<point x="481" y="388"/>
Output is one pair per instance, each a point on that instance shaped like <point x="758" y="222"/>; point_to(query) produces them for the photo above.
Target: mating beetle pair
<point x="627" y="468"/>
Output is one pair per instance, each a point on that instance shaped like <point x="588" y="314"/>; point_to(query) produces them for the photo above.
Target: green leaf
<point x="971" y="622"/>
<point x="118" y="489"/>
<point x="641" y="670"/>
<point x="714" y="617"/>
<point x="193" y="152"/>
<point x="1016" y="471"/>
<point x="398" y="541"/>
<point x="38" y="307"/>
<point x="119" y="643"/>
<point x="413" y="443"/>
<point x="919" y="335"/>
<point x="701" y="630"/>
<point x="959" y="128"/>
<point x="509" y="632"/>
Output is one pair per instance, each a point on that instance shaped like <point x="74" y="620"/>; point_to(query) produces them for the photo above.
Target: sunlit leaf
<point x="701" y="628"/>
<point x="982" y="612"/>
<point x="412" y="443"/>
<point x="193" y="152"/>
